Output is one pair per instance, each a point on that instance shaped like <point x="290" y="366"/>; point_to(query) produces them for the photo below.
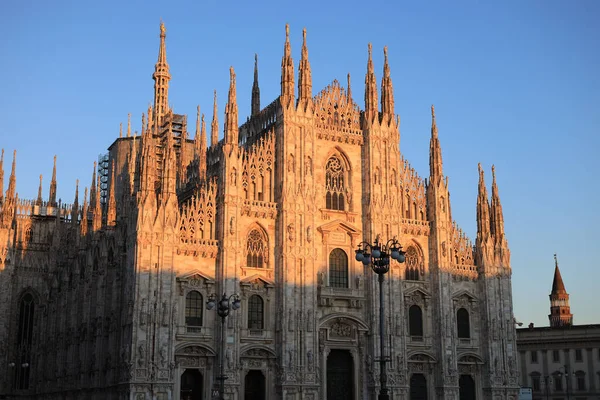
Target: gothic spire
<point x="231" y="112"/>
<point x="111" y="213"/>
<point x="120" y="130"/>
<point x="93" y="187"/>
<point x="255" y="89"/>
<point x="387" y="90"/>
<point x="202" y="152"/>
<point x="52" y="194"/>
<point x="97" y="221"/>
<point x="39" y="197"/>
<point x="287" y="71"/>
<point x="75" y="207"/>
<point x="2" y="176"/>
<point x="304" y="74"/>
<point x="370" y="88"/>
<point x="143" y="124"/>
<point x="435" y="152"/>
<point x="12" y="180"/>
<point x="129" y="125"/>
<point x="197" y="134"/>
<point x="483" y="209"/>
<point x="349" y="91"/>
<point x="497" y="217"/>
<point x="214" y="126"/>
<point x="161" y="78"/>
<point x="83" y="226"/>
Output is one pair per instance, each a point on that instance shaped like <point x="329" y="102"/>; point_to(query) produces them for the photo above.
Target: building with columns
<point x="105" y="298"/>
<point x="560" y="361"/>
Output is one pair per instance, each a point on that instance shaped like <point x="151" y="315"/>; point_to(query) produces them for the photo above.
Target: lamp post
<point x="224" y="306"/>
<point x="379" y="261"/>
<point x="565" y="368"/>
<point x="547" y="383"/>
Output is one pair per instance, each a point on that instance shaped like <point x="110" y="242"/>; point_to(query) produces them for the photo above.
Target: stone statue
<point x="291" y="232"/>
<point x="309" y="360"/>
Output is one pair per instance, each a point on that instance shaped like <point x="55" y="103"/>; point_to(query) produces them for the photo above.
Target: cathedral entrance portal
<point x="466" y="386"/>
<point x="418" y="387"/>
<point x="191" y="385"/>
<point x="254" y="385"/>
<point x="340" y="375"/>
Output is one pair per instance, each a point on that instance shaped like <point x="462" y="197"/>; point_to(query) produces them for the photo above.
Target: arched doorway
<point x="192" y="385"/>
<point x="466" y="386"/>
<point x="418" y="387"/>
<point x="340" y="375"/>
<point x="254" y="385"/>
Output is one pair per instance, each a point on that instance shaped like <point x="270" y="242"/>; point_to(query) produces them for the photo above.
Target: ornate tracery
<point x="256" y="250"/>
<point x="335" y="184"/>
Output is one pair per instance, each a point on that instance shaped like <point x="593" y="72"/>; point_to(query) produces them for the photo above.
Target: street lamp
<point x="547" y="383"/>
<point x="224" y="306"/>
<point x="379" y="260"/>
<point x="565" y="368"/>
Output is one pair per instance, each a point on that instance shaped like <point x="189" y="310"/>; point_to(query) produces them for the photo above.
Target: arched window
<point x="256" y="250"/>
<point x="28" y="234"/>
<point x="415" y="321"/>
<point x="255" y="312"/>
<point x="335" y="184"/>
<point x="24" y="341"/>
<point x="338" y="268"/>
<point x="418" y="387"/>
<point x="412" y="264"/>
<point x="193" y="309"/>
<point x="462" y="324"/>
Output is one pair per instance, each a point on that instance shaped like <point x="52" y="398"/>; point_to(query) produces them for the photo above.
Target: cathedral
<point x="106" y="297"/>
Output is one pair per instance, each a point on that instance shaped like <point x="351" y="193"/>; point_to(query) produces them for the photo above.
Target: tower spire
<point x="111" y="213"/>
<point x="483" y="210"/>
<point x="231" y="112"/>
<point x="93" y="187"/>
<point x="2" y="176"/>
<point x="12" y="180"/>
<point x="214" y="126"/>
<point x="304" y="74"/>
<point x="349" y="91"/>
<point x="75" y="207"/>
<point x="370" y="88"/>
<point x="39" y="197"/>
<point x="52" y="194"/>
<point x="97" y="221"/>
<point x="83" y="226"/>
<point x="387" y="90"/>
<point x="497" y="217"/>
<point x="197" y="133"/>
<point x="560" y="311"/>
<point x="161" y="78"/>
<point x="435" y="152"/>
<point x="287" y="71"/>
<point x="255" y="89"/>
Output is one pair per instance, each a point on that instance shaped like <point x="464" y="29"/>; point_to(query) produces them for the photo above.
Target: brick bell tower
<point x="560" y="311"/>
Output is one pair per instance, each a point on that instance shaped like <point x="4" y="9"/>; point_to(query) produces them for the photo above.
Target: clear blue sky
<point x="515" y="84"/>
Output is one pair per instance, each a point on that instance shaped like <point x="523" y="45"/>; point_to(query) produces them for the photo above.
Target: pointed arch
<point x="257" y="247"/>
<point x="414" y="264"/>
<point x="337" y="180"/>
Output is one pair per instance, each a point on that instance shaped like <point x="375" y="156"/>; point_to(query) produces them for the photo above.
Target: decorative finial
<point x="479" y="167"/>
<point x="304" y="35"/>
<point x="370" y="49"/>
<point x="163" y="30"/>
<point x="555" y="260"/>
<point x="432" y="112"/>
<point x="287" y="32"/>
<point x="493" y="172"/>
<point x="385" y="52"/>
<point x="121" y="130"/>
<point x="255" y="59"/>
